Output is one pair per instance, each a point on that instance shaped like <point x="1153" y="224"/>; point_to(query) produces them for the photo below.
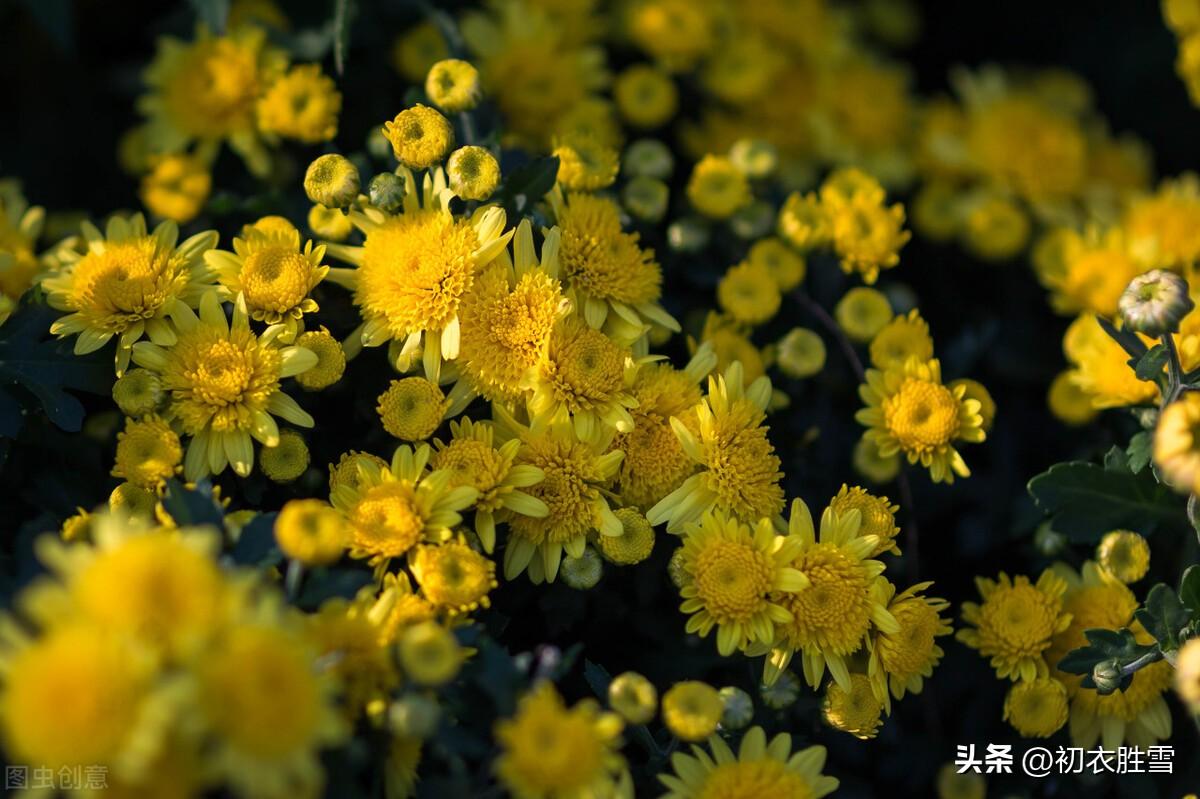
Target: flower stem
<point x="1175" y="380"/>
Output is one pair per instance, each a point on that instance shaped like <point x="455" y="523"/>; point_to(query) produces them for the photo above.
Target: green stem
<point x="1145" y="660"/>
<point x="468" y="127"/>
<point x="1175" y="381"/>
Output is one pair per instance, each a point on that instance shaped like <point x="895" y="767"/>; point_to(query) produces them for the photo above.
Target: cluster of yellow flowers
<point x="1025" y="628"/>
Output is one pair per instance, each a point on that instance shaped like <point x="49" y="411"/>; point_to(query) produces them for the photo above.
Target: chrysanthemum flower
<point x="1014" y="625"/>
<point x="453" y="85"/>
<point x="759" y="769"/>
<point x="347" y="635"/>
<point x="606" y="268"/>
<point x="393" y="508"/>
<point x="473" y="172"/>
<point x="508" y="316"/>
<point x="731" y="344"/>
<point x="429" y="654"/>
<point x="472" y="459"/>
<point x="856" y="711"/>
<point x="692" y="710"/>
<point x="332" y="181"/>
<point x="1036" y="708"/>
<point x="585" y="163"/>
<point x="206" y="90"/>
<point x="454" y="577"/>
<point x="905" y="336"/>
<point x="901" y="661"/>
<point x="863" y="312"/>
<point x="418" y="49"/>
<point x="676" y="33"/>
<point x="346" y="472"/>
<point x="1124" y="554"/>
<point x="877" y="513"/>
<point x="176" y="187"/>
<point x="633" y="545"/>
<point x="910" y="411"/>
<point x="224" y="384"/>
<point x="1164" y="228"/>
<point x="331" y="360"/>
<point x="287" y="460"/>
<point x="127" y="283"/>
<point x="646" y="96"/>
<point x="655" y="462"/>
<point x="148" y="452"/>
<point x="420" y="136"/>
<point x="804" y="222"/>
<point x="549" y="751"/>
<point x="1091" y="272"/>
<point x="303" y="104"/>
<point x="717" y="189"/>
<point x="785" y="266"/>
<point x="1137" y="715"/>
<point x="749" y="293"/>
<point x="20" y="227"/>
<point x="1101" y="367"/>
<point x="415" y="268"/>
<point x="800" y="353"/>
<point x="739" y="468"/>
<point x="867" y="235"/>
<point x="833" y="616"/>
<point x="732" y="578"/>
<point x="634" y="697"/>
<point x="1176" y="443"/>
<point x="577" y="472"/>
<point x="398" y="607"/>
<point x="412" y="409"/>
<point x="311" y="531"/>
<point x="270" y="710"/>
<point x="585" y="378"/>
<point x="275" y="275"/>
<point x="1068" y="402"/>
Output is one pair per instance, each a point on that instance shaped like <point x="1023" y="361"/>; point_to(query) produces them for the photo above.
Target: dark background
<point x="67" y="88"/>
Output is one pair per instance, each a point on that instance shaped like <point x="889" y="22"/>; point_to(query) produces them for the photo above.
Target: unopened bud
<point x="387" y="191"/>
<point x="1155" y="303"/>
<point x="1107" y="676"/>
<point x="332" y="181"/>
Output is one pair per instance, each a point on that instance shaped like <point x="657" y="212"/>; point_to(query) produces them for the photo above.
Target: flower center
<point x="275" y="279"/>
<point x="922" y="415"/>
<point x="732" y="580"/>
<point x="387" y="520"/>
<point x="832" y="612"/>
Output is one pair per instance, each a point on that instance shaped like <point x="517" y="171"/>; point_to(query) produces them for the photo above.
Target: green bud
<point x="646" y="198"/>
<point x="387" y="191"/>
<point x="414" y="715"/>
<point x="688" y="235"/>
<point x="1155" y="303"/>
<point x="1107" y="676"/>
<point x="648" y="157"/>
<point x="739" y="708"/>
<point x="137" y="392"/>
<point x="582" y="572"/>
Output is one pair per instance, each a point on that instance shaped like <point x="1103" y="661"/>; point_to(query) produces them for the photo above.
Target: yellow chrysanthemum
<point x="634" y="697"/>
<point x="901" y="660"/>
<point x="176" y="187"/>
<point x="508" y="316"/>
<point x="126" y="283"/>
<point x="224" y="384"/>
<point x="148" y="452"/>
<point x="1029" y="146"/>
<point x="759" y="769"/>
<point x="831" y="618"/>
<point x="270" y="710"/>
<point x="412" y="409"/>
<point x="633" y="545"/>
<point x="420" y="136"/>
<point x="414" y="269"/>
<point x="655" y="462"/>
<point x="800" y="353"/>
<point x="453" y="85"/>
<point x="429" y="654"/>
<point x="717" y="189"/>
<point x="1177" y="443"/>
<point x="675" y="32"/>
<point x="877" y="513"/>
<point x="452" y="576"/>
<point x="909" y="410"/>
<point x="732" y="576"/>
<point x="730" y="343"/>
<point x="348" y="635"/>
<point x="331" y="360"/>
<point x="417" y="49"/>
<point x="473" y="172"/>
<point x="1164" y="228"/>
<point x="804" y="222"/>
<point x="472" y="459"/>
<point x="20" y="227"/>
<point x="607" y="270"/>
<point x="867" y="235"/>
<point x="870" y="464"/>
<point x="1090" y="272"/>
<point x="1137" y="715"/>
<point x="1036" y="708"/>
<point x="905" y="336"/>
<point x="287" y="459"/>
<point x="207" y="91"/>
<point x="995" y="227"/>
<point x="1124" y="554"/>
<point x="393" y="508"/>
<point x="311" y="531"/>
<point x="1068" y="402"/>
<point x="862" y="313"/>
<point x="346" y="472"/>
<point x="1014" y="625"/>
<point x="585" y="163"/>
<point x="749" y="294"/>
<point x="1101" y="367"/>
<point x="274" y="274"/>
<point x="397" y="608"/>
<point x="856" y="711"/>
<point x="549" y="751"/>
<point x="739" y="467"/>
<point x="646" y="97"/>
<point x="329" y="223"/>
<point x="1187" y="674"/>
<point x="132" y="500"/>
<point x="692" y="710"/>
<point x="303" y="104"/>
<point x="785" y="266"/>
<point x="584" y="378"/>
<point x="577" y="472"/>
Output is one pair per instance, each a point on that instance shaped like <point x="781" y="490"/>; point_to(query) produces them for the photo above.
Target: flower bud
<point x="1107" y="676"/>
<point x="1155" y="303"/>
<point x="801" y="353"/>
<point x="754" y="158"/>
<point x="414" y="715"/>
<point x="689" y="234"/>
<point x="648" y="157"/>
<point x="646" y="198"/>
<point x="783" y="693"/>
<point x="633" y="697"/>
<point x="739" y="708"/>
<point x="331" y="181"/>
<point x="753" y="221"/>
<point x="137" y="392"/>
<point x="453" y="85"/>
<point x="582" y="572"/>
<point x="387" y="191"/>
<point x="473" y="172"/>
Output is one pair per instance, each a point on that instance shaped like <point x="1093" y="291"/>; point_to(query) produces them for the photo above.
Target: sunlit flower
<point x="635" y="542"/>
<point x="692" y="710"/>
<point x="331" y="360"/>
<point x="902" y="660"/>
<point x="176" y="187"/>
<point x="310" y="531"/>
<point x="224" y="384"/>
<point x="856" y="711"/>
<point x="420" y="136"/>
<point x="716" y="188"/>
<point x="905" y="336"/>
<point x="452" y="576"/>
<point x="148" y="452"/>
<point x="585" y="163"/>
<point x="634" y="697"/>
<point x="303" y="104"/>
<point x="878" y="516"/>
<point x="287" y="460"/>
<point x="1101" y="367"/>
<point x="867" y="235"/>
<point x="412" y="409"/>
<point x="862" y="313"/>
<point x="1014" y="625"/>
<point x="749" y="293"/>
<point x="473" y="172"/>
<point x="453" y="85"/>
<point x="1124" y="554"/>
<point x="757" y="770"/>
<point x="127" y="283"/>
<point x="646" y="97"/>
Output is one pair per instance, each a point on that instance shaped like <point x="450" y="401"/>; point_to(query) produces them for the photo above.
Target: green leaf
<point x="1189" y="591"/>
<point x="325" y="583"/>
<point x="343" y="14"/>
<point x="256" y="543"/>
<point x="598" y="679"/>
<point x="1140" y="450"/>
<point x="192" y="507"/>
<point x="1085" y="500"/>
<point x="212" y="13"/>
<point x="1150" y="365"/>
<point x="44" y="367"/>
<point x="526" y="185"/>
<point x="1163" y="616"/>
